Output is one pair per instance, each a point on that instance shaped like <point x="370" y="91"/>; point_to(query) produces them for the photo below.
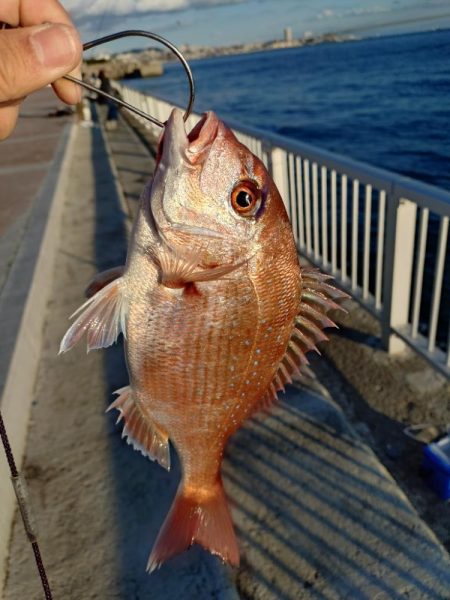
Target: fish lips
<point x="192" y="148"/>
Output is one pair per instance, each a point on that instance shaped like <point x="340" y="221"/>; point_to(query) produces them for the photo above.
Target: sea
<point x="384" y="101"/>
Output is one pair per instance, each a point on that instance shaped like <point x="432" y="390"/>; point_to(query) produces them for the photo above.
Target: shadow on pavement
<point x="317" y="516"/>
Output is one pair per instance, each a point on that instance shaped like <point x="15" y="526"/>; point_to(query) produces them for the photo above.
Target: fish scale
<point x="169" y="375"/>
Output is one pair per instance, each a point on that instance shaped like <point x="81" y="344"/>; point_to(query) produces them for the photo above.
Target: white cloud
<point x="326" y="13"/>
<point x="356" y="11"/>
<point x="85" y="8"/>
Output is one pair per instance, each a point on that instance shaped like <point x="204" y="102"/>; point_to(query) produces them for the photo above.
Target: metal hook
<point x="153" y="36"/>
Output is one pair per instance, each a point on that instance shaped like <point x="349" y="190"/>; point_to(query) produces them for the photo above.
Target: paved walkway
<point x="317" y="516"/>
<point x="25" y="158"/>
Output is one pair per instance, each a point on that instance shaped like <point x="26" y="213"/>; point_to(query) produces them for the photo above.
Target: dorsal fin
<point x="267" y="400"/>
<point x="318" y="297"/>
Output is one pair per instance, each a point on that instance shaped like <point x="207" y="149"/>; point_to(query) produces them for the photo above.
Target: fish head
<point x="211" y="194"/>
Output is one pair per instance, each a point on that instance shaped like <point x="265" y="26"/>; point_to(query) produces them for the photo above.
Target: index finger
<point x="51" y="11"/>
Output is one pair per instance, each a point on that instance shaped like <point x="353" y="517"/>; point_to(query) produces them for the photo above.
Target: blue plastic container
<point x="436" y="461"/>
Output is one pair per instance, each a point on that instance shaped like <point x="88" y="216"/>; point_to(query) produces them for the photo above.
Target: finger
<point x="32" y="57"/>
<point x="69" y="91"/>
<point x="51" y="11"/>
<point x="8" y="119"/>
<point x="10" y="12"/>
<point x="45" y="11"/>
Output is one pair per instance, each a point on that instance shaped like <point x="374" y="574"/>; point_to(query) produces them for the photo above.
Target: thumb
<point x="32" y="57"/>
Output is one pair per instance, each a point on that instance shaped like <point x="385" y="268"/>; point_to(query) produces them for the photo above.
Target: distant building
<point x="288" y="35"/>
<point x="102" y="57"/>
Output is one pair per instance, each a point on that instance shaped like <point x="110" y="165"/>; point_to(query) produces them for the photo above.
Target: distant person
<point x="39" y="49"/>
<point x="93" y="80"/>
<point x="105" y="86"/>
<point x="113" y="112"/>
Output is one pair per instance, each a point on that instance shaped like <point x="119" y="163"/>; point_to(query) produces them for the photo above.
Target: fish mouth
<point x="192" y="147"/>
<point x="177" y="148"/>
<point x="203" y="134"/>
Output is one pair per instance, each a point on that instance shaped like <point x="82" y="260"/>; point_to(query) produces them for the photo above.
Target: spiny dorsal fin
<point x="318" y="297"/>
<point x="140" y="431"/>
<point x="268" y="400"/>
<point x="102" y="318"/>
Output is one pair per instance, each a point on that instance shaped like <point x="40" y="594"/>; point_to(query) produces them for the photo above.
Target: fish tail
<point x="203" y="518"/>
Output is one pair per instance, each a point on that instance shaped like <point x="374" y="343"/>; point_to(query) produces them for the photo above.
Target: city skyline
<point x="227" y="22"/>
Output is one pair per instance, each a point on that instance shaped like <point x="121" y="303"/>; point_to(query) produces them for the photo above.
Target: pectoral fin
<point x="178" y="271"/>
<point x="102" y="318"/>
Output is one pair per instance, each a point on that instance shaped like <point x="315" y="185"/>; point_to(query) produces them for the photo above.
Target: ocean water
<point x="384" y="101"/>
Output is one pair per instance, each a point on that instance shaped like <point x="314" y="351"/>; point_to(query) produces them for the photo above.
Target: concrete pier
<point x="317" y="515"/>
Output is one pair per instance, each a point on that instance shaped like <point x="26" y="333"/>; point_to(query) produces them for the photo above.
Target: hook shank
<point x="146" y="34"/>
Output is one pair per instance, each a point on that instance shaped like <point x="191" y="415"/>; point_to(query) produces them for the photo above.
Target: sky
<point x="226" y="22"/>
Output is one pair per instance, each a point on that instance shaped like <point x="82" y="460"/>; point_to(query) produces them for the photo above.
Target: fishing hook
<point x="138" y="33"/>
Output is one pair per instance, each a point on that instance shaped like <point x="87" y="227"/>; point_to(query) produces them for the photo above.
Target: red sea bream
<point x="217" y="317"/>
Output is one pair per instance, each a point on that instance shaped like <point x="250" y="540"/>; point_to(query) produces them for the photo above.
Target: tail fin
<point x="205" y="520"/>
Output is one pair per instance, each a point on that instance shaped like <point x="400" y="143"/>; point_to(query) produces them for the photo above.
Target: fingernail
<point x="55" y="46"/>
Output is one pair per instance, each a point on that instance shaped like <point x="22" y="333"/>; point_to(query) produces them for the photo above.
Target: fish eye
<point x="246" y="198"/>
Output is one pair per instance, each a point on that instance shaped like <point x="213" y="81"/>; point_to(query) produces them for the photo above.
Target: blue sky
<point x="225" y="22"/>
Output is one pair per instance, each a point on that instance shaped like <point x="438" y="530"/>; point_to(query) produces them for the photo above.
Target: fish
<point x="217" y="318"/>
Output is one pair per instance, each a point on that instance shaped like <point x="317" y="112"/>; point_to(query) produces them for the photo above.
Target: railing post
<point x="266" y="149"/>
<point x="278" y="170"/>
<point x="398" y="267"/>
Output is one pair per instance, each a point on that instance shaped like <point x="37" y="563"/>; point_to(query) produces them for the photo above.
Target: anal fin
<point x="139" y="429"/>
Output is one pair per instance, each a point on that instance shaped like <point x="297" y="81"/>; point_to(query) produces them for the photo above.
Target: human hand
<point x="42" y="47"/>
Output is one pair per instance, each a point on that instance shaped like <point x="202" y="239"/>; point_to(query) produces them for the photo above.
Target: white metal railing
<point x="384" y="237"/>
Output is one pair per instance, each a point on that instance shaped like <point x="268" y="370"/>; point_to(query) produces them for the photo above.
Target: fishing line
<point x="20" y="489"/>
<point x="130" y="107"/>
